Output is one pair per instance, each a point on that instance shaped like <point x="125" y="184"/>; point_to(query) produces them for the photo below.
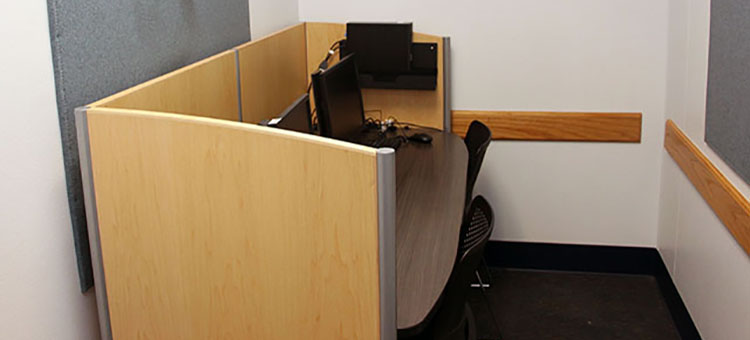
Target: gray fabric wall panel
<point x="101" y="47"/>
<point x="728" y="101"/>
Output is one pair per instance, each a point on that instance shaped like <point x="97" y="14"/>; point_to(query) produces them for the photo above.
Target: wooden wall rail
<point x="554" y="126"/>
<point x="730" y="206"/>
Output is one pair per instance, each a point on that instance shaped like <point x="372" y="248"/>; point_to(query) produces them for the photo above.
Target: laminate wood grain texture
<point x="222" y="230"/>
<point x="554" y="126"/>
<point x="207" y="88"/>
<point x="319" y="37"/>
<point x="430" y="191"/>
<point x="415" y="106"/>
<point x="273" y="73"/>
<point x="727" y="202"/>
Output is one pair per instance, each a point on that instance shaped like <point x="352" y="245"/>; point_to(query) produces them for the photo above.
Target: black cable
<point x="314" y="118"/>
<point x="376" y="110"/>
<point x="372" y="122"/>
<point x="404" y="126"/>
<point x="407" y="124"/>
<point x="331" y="51"/>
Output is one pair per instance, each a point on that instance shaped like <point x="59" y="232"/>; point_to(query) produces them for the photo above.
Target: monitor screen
<point x="381" y="48"/>
<point x="338" y="100"/>
<point x="297" y="116"/>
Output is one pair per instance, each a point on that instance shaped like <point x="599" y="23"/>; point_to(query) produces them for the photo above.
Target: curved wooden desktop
<point x="430" y="187"/>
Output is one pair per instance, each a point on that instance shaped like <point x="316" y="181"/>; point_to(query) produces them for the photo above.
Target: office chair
<point x="454" y="319"/>
<point x="477" y="140"/>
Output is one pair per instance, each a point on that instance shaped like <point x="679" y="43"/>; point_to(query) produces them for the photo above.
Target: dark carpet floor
<point x="563" y="305"/>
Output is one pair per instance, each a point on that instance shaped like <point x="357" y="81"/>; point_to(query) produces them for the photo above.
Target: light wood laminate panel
<point x="207" y="88"/>
<point x="414" y="106"/>
<point x="430" y="191"/>
<point x="320" y="36"/>
<point x="273" y="73"/>
<point x="728" y="204"/>
<point x="554" y="126"/>
<point x="222" y="230"/>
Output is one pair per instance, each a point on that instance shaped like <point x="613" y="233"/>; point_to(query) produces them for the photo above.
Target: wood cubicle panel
<point x="725" y="200"/>
<point x="413" y="106"/>
<point x="207" y="88"/>
<point x="553" y="126"/>
<point x="273" y="73"/>
<point x="320" y="37"/>
<point x="220" y="230"/>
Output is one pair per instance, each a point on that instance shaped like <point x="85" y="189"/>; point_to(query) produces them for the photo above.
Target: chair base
<point x="471" y="323"/>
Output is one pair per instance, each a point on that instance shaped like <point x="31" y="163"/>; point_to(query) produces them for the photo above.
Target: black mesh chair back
<point x="477" y="140"/>
<point x="450" y="319"/>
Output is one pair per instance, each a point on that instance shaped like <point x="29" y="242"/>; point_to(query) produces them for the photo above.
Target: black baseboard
<point x="677" y="308"/>
<point x="596" y="259"/>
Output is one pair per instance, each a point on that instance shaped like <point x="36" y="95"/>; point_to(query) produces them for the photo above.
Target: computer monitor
<point x="381" y="48"/>
<point x="338" y="100"/>
<point x="296" y="117"/>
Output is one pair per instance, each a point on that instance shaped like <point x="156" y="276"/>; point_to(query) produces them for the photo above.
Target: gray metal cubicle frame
<point x="386" y="177"/>
<point x="92" y="219"/>
<point x="386" y="168"/>
<point x="448" y="110"/>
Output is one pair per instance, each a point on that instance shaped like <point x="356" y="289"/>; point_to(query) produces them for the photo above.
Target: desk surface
<point x="430" y="189"/>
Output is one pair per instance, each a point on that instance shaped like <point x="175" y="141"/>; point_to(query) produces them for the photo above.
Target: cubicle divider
<point x="257" y="80"/>
<point x="215" y="229"/>
<point x="205" y="226"/>
<point x="207" y="88"/>
<point x="273" y="73"/>
<point x="421" y="107"/>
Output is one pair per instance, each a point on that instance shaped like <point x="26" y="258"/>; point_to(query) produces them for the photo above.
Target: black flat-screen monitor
<point x="296" y="117"/>
<point x="381" y="48"/>
<point x="338" y="100"/>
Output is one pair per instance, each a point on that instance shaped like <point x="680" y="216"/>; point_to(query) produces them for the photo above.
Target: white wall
<point x="711" y="271"/>
<point x="39" y="293"/>
<point x="525" y="55"/>
<point x="576" y="55"/>
<point x="268" y="16"/>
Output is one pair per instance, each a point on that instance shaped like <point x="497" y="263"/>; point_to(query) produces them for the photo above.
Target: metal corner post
<point x="239" y="84"/>
<point x="386" y="174"/>
<point x="447" y="115"/>
<point x="92" y="220"/>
